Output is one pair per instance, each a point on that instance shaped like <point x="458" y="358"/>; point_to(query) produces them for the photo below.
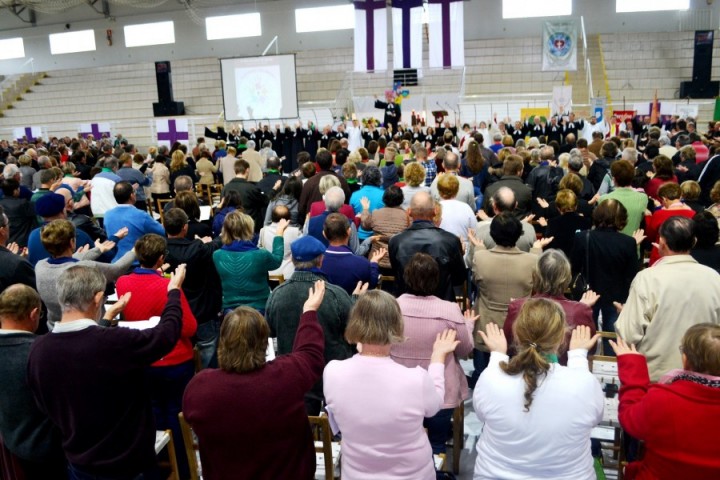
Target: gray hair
<point x="43" y="160"/>
<point x="451" y="161"/>
<point x="183" y="183"/>
<point x="250" y="144"/>
<point x="267" y="144"/>
<point x="77" y="286"/>
<point x="533" y="143"/>
<point x="664" y="140"/>
<point x="497" y="137"/>
<point x="314" y="263"/>
<point x="552" y="273"/>
<point x="334" y="199"/>
<point x="326" y="182"/>
<point x="372" y="176"/>
<point x="10" y="170"/>
<point x="503" y="199"/>
<point x="630" y="154"/>
<point x="111" y="163"/>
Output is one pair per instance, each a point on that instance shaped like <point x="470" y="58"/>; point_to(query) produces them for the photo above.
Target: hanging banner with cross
<point x="559" y="46"/>
<point x="446" y="37"/>
<point x="27" y="133"/>
<point x="370" y="35"/>
<point x="172" y="130"/>
<point x="407" y="33"/>
<point x="97" y="130"/>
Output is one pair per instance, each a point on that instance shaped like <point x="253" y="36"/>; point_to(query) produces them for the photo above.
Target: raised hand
<point x="361" y="288"/>
<point x="83" y="249"/>
<point x="177" y="277"/>
<point x="380" y="253"/>
<point x="589" y="298"/>
<point x="494" y="338"/>
<point x="639" y="235"/>
<point x="445" y="343"/>
<point x="470" y="316"/>
<point x="115" y="309"/>
<point x="542" y="202"/>
<point x="122" y="233"/>
<point x="622" y="348"/>
<point x="365" y="202"/>
<point x="472" y="237"/>
<point x="315" y="297"/>
<point x="105" y="246"/>
<point x="14" y="248"/>
<point x="581" y="338"/>
<point x="282" y="225"/>
<point x="543" y="242"/>
<point x="542" y="222"/>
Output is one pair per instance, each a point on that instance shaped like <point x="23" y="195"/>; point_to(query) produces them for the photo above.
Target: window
<point x="322" y="19"/>
<point x="624" y="6"/>
<point x="535" y="8"/>
<point x="12" y="48"/>
<point x="72" y="42"/>
<point x="159" y="33"/>
<point x="233" y="26"/>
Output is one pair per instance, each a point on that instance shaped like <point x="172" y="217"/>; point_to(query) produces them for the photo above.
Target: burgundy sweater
<point x="91" y="383"/>
<point x="254" y="424"/>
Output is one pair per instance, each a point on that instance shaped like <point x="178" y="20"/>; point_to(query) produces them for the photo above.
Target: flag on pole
<point x="371" y="44"/>
<point x="446" y="33"/>
<point x="559" y="46"/>
<point x="170" y="131"/>
<point x="29" y="133"/>
<point x="655" y="110"/>
<point x="562" y="100"/>
<point x="407" y="33"/>
<point x="97" y="130"/>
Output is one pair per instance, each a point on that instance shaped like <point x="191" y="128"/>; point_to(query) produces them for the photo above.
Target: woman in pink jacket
<point x="379" y="405"/>
<point x="424" y="317"/>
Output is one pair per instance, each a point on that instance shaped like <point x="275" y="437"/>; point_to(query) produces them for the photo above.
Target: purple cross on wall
<point x="370" y="6"/>
<point x="94" y="131"/>
<point x="172" y="135"/>
<point x="445" y="18"/>
<point x="28" y="134"/>
<point x="405" y="6"/>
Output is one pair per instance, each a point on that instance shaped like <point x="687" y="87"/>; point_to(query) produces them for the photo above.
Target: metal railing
<point x="586" y="60"/>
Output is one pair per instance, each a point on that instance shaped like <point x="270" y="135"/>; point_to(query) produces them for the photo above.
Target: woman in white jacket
<point x="538" y="414"/>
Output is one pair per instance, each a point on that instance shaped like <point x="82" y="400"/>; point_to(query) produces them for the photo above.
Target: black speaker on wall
<point x="166" y="105"/>
<point x="701" y="85"/>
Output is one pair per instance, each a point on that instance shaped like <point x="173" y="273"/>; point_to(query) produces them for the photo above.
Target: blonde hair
<point x="375" y="319"/>
<point x="178" y="161"/>
<point x="448" y="186"/>
<point x="690" y="190"/>
<point x="538" y="332"/>
<point x="566" y="201"/>
<point x="327" y="182"/>
<point x="56" y="236"/>
<point x="243" y="341"/>
<point x="701" y="346"/>
<point x="414" y="174"/>
<point x="237" y="226"/>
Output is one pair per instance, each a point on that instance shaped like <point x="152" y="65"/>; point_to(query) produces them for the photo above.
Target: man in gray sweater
<point x="26" y="432"/>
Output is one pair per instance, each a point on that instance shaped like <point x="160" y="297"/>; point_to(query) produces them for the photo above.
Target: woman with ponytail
<point x="537" y="414"/>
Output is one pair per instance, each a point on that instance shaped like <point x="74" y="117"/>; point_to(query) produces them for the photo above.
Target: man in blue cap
<point x="285" y="304"/>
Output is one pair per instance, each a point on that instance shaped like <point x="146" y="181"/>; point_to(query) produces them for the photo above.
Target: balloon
<point x="405" y="93"/>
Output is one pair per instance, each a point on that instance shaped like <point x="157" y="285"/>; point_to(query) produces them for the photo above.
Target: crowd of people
<point x="372" y="261"/>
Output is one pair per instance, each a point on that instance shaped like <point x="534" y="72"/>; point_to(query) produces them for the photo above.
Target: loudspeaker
<point x="699" y="90"/>
<point x="169" y="109"/>
<point x="702" y="60"/>
<point x="407" y="77"/>
<point x="164" y="82"/>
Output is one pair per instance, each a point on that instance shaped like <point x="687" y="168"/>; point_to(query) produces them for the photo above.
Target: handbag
<point x="581" y="282"/>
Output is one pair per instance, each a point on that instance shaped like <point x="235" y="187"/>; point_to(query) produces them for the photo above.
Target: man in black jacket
<point x="15" y="268"/>
<point x="253" y="201"/>
<point x="423" y="236"/>
<point x="202" y="285"/>
<point x="268" y="185"/>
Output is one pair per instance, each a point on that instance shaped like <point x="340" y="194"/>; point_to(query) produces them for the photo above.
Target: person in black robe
<point x="297" y="144"/>
<point x="554" y="131"/>
<point x="392" y="113"/>
<point x="326" y="137"/>
<point x="312" y="137"/>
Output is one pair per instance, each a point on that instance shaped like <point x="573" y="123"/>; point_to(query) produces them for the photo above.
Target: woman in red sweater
<point x="169" y="376"/>
<point x="670" y="195"/>
<point x="678" y="418"/>
<point x="249" y="414"/>
<point x="664" y="172"/>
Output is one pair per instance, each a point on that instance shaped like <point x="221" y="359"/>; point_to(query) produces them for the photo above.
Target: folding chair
<point x="458" y="422"/>
<point x="161" y="202"/>
<point x="191" y="448"/>
<point x="327" y="451"/>
<point x="164" y="440"/>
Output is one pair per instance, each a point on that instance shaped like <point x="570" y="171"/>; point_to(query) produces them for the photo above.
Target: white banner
<point x="29" y="133"/>
<point x="95" y="129"/>
<point x="561" y="100"/>
<point x="171" y="130"/>
<point x="559" y="46"/>
<point x="407" y="34"/>
<point x="446" y="38"/>
<point x="597" y="107"/>
<point x="371" y="42"/>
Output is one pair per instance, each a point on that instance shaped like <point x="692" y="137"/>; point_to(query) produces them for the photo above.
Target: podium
<point x="440" y="116"/>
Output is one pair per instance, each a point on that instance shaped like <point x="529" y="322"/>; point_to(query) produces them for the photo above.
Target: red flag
<point x="655" y="111"/>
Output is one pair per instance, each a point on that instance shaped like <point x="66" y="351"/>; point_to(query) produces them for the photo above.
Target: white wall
<point x="483" y="20"/>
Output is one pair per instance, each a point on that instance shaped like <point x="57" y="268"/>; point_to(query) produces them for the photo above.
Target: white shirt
<point x="355" y="139"/>
<point x="457" y="217"/>
<point x="74" y="326"/>
<point x="266" y="238"/>
<point x="552" y="440"/>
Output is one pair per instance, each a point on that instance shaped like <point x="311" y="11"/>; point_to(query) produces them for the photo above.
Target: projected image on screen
<point x="258" y="92"/>
<point x="259" y="88"/>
